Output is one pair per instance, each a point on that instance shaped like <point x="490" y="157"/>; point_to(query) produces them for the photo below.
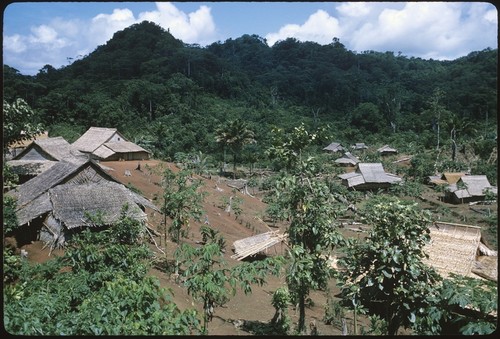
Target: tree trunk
<point x="302" y="313"/>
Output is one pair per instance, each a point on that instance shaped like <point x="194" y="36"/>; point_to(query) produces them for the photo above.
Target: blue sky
<point x="39" y="33"/>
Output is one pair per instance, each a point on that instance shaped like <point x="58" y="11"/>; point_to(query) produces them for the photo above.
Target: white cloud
<point x="55" y="42"/>
<point x="14" y="43"/>
<point x="319" y="27"/>
<point x="195" y="27"/>
<point x="439" y="30"/>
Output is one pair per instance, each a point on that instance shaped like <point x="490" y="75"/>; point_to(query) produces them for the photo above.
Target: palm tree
<point x="235" y="134"/>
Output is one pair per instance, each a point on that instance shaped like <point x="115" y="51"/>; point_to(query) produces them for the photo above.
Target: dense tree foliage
<point x="154" y="87"/>
<point x="99" y="287"/>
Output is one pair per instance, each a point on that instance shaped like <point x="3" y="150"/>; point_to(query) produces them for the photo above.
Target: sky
<point x="36" y="34"/>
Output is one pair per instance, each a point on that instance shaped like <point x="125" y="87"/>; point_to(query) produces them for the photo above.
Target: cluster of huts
<point x="460" y="186"/>
<point x="63" y="186"/>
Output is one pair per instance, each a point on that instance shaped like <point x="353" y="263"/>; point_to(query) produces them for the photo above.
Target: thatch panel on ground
<point x="255" y="244"/>
<point x="454" y="248"/>
<point x="486" y="267"/>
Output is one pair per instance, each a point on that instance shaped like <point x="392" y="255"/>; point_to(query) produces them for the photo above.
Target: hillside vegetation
<point x="237" y="131"/>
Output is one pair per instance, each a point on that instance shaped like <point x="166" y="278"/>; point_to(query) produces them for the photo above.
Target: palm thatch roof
<point x="255" y="244"/>
<point x="71" y="203"/>
<point x="369" y="175"/>
<point x="359" y="145"/>
<point x="30" y="167"/>
<point x="95" y="137"/>
<point x="53" y="149"/>
<point x="70" y="190"/>
<point x="25" y="142"/>
<point x="455" y="248"/>
<point x="386" y="149"/>
<point x="470" y="186"/>
<point x="108" y="149"/>
<point x="347" y="159"/>
<point x="334" y="147"/>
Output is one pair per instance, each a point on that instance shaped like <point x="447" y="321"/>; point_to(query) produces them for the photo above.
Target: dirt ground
<point x="251" y="309"/>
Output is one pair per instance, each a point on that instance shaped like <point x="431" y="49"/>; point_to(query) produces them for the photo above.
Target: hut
<point x="456" y="248"/>
<point x="17" y="147"/>
<point x="334" y="147"/>
<point x="369" y="176"/>
<point x="40" y="155"/>
<point x="347" y="160"/>
<point x="359" y="146"/>
<point x="109" y="144"/>
<point x="62" y="200"/>
<point x="469" y="188"/>
<point x="447" y="178"/>
<point x="387" y="150"/>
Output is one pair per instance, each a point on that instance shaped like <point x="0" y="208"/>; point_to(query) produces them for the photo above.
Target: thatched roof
<point x="386" y="149"/>
<point x="475" y="186"/>
<point x="69" y="189"/>
<point x="359" y="145"/>
<point x="30" y="167"/>
<point x="347" y="159"/>
<point x="452" y="177"/>
<point x="70" y="203"/>
<point x="95" y="137"/>
<point x="108" y="149"/>
<point x="25" y="142"/>
<point x="255" y="244"/>
<point x="369" y="174"/>
<point x="53" y="149"/>
<point x="334" y="147"/>
<point x="454" y="248"/>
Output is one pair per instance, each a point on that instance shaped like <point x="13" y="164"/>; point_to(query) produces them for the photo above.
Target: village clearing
<point x="242" y="312"/>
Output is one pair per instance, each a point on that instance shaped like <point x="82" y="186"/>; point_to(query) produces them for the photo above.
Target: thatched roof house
<point x="334" y="147"/>
<point x="446" y="178"/>
<point x="56" y="203"/>
<point x="347" y="159"/>
<point x="369" y="176"/>
<point x="40" y="155"/>
<point x="108" y="144"/>
<point x="359" y="146"/>
<point x="387" y="150"/>
<point x="469" y="188"/>
<point x="17" y="147"/>
<point x="457" y="248"/>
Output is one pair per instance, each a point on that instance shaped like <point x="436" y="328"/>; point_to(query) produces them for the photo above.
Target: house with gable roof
<point x="59" y="202"/>
<point x="334" y="147"/>
<point x="40" y="155"/>
<point x="470" y="188"/>
<point x="108" y="144"/>
<point x="369" y="176"/>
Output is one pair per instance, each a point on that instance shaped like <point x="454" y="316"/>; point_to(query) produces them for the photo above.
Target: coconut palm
<point x="234" y="135"/>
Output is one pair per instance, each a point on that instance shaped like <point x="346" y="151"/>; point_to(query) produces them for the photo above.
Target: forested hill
<point x="171" y="97"/>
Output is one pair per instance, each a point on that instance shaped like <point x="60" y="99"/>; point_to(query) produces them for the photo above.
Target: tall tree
<point x="235" y="134"/>
<point x="312" y="209"/>
<point x="385" y="273"/>
<point x="20" y="122"/>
